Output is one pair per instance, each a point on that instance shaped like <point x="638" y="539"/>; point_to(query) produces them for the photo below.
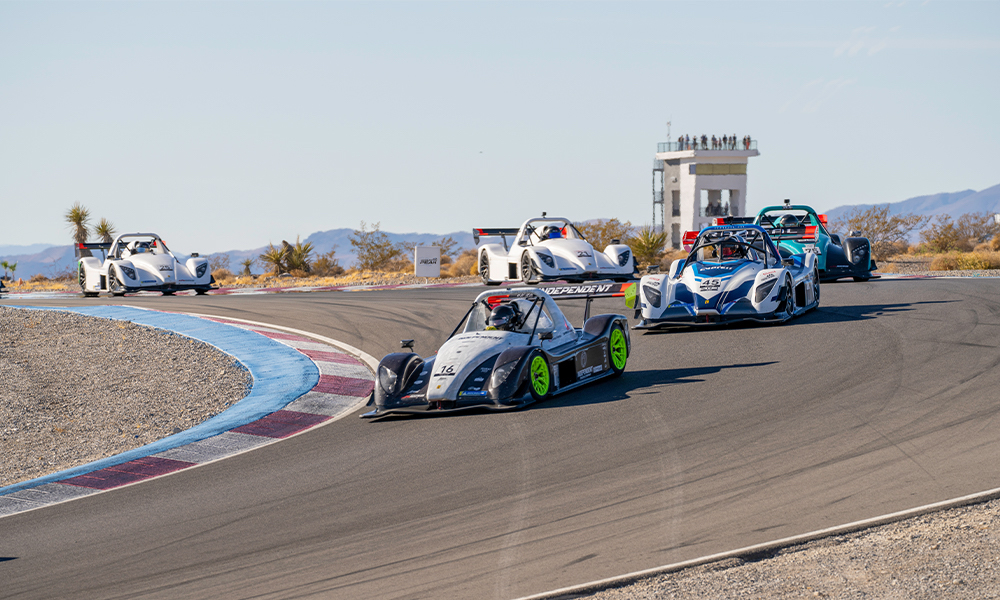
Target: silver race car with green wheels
<point x="513" y="347"/>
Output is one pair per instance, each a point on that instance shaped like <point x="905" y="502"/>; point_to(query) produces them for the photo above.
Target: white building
<point x="692" y="185"/>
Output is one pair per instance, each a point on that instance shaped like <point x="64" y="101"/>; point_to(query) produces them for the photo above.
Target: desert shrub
<point x="247" y="264"/>
<point x="399" y="265"/>
<point x="299" y="256"/>
<point x="995" y="243"/>
<point x="887" y="233"/>
<point x="38" y="277"/>
<point x="648" y="245"/>
<point x="221" y="274"/>
<point x="326" y="265"/>
<point x="375" y="251"/>
<point x="600" y="232"/>
<point x="669" y="257"/>
<point x="945" y="235"/>
<point x="964" y="261"/>
<point x="273" y="257"/>
<point x="218" y="262"/>
<point x="298" y="273"/>
<point x="465" y="264"/>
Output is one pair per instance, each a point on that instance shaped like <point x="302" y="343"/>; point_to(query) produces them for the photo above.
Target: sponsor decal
<point x="582" y="358"/>
<point x="579" y="289"/>
<point x="166" y="268"/>
<point x="428" y="261"/>
<point x="479" y="379"/>
<point x="769" y="275"/>
<point x="714" y="268"/>
<point x="475" y="393"/>
<point x="585" y="372"/>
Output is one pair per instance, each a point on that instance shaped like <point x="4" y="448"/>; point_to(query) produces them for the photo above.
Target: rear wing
<point x="734" y="220"/>
<point x="83" y="249"/>
<point x="806" y="233"/>
<point x="503" y="232"/>
<point x="589" y="291"/>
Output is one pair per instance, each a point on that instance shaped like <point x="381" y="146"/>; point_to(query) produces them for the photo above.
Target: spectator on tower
<point x="687" y="142"/>
<point x="680" y="142"/>
<point x="725" y="142"/>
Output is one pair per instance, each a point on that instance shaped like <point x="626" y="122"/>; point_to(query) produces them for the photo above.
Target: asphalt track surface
<point x="883" y="399"/>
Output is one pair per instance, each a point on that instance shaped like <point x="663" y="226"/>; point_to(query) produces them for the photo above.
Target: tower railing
<point x="739" y="145"/>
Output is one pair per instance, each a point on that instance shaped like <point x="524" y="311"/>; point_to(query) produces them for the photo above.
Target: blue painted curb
<point x="280" y="374"/>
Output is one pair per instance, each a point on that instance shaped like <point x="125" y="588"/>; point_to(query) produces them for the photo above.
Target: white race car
<point x="550" y="249"/>
<point x="139" y="262"/>
<point x="513" y="347"/>
<point x="733" y="273"/>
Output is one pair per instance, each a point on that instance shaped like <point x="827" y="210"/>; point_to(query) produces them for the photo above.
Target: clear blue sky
<point x="227" y="125"/>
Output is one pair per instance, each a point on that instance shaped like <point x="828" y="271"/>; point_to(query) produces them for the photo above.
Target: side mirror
<point x="406" y="344"/>
<point x="788" y="262"/>
<point x="615" y="241"/>
<point x="545" y="335"/>
<point x="653" y="269"/>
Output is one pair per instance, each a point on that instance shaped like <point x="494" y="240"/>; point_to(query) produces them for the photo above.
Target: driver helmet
<point x="730" y="251"/>
<point x="503" y="317"/>
<point x="788" y="221"/>
<point x="552" y="232"/>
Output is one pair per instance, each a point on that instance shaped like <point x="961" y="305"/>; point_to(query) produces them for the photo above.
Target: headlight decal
<point x="549" y="262"/>
<point x="764" y="289"/>
<point x="623" y="258"/>
<point x="200" y="270"/>
<point x="127" y="271"/>
<point x="652" y="295"/>
<point x="387" y="380"/>
<point x="501" y="373"/>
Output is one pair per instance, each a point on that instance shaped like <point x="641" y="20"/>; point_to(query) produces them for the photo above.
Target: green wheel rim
<point x="539" y="376"/>
<point x="619" y="350"/>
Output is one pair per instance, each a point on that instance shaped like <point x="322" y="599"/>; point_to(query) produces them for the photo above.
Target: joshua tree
<point x="78" y="218"/>
<point x="274" y="256"/>
<point x="105" y="230"/>
<point x="247" y="263"/>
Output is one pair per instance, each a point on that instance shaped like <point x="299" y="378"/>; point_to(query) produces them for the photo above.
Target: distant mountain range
<point x="954" y="204"/>
<point x="51" y="260"/>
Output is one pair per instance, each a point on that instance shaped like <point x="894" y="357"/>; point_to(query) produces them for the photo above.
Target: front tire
<point x="617" y="350"/>
<point x="816" y="286"/>
<point x="527" y="270"/>
<point x="114" y="286"/>
<point x="789" y="309"/>
<point x="539" y="377"/>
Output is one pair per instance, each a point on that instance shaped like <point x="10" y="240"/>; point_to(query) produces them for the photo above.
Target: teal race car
<point x="797" y="228"/>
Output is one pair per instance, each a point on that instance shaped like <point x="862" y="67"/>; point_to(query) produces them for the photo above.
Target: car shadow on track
<point x="821" y="314"/>
<point x="637" y="383"/>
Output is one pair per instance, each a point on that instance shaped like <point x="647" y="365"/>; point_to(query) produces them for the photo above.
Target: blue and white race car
<point x="732" y="273"/>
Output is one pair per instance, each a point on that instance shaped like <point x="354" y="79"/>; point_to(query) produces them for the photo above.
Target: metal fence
<point x="740" y="145"/>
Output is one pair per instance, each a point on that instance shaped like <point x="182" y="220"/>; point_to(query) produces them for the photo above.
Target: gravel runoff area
<point x="74" y="389"/>
<point x="953" y="553"/>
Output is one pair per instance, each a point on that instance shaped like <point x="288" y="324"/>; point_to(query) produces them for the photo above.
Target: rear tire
<point x="81" y="276"/>
<point x="539" y="377"/>
<point x="617" y="350"/>
<point x="484" y="270"/>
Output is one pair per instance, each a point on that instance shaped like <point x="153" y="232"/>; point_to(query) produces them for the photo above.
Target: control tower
<point x="695" y="182"/>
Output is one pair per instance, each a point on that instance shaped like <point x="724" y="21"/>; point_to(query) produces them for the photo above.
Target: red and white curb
<point x="346" y="380"/>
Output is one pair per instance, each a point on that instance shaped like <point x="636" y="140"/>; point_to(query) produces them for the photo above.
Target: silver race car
<point x="513" y="347"/>
<point x="137" y="262"/>
<point x="732" y="273"/>
<point x="549" y="249"/>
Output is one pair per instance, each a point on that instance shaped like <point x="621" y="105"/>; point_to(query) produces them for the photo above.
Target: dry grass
<point x="965" y="261"/>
